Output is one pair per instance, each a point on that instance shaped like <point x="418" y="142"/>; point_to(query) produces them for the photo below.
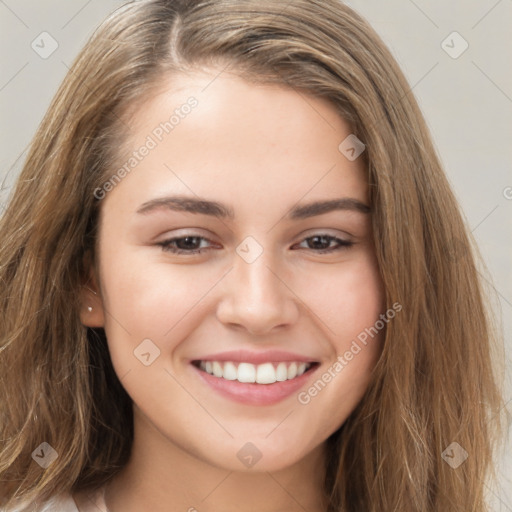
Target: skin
<point x="259" y="150"/>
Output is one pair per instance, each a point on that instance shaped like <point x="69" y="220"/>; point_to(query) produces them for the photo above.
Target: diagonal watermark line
<point x="199" y="403"/>
<point x="2" y="186"/>
<point x="488" y="215"/>
<point x="110" y="314"/>
<point x="496" y="496"/>
<point x="217" y="486"/>
<point x="420" y="80"/>
<point x="305" y="99"/>
<point x="280" y="423"/>
<point x="406" y="93"/>
<point x="14" y="76"/>
<point x="300" y="199"/>
<point x="76" y="14"/>
<point x="194" y="305"/>
<point x="303" y="303"/>
<point x="492" y="81"/>
<point x="494" y="288"/>
<point x="504" y="298"/>
<point x="3" y="3"/>
<point x="124" y="375"/>
<point x="424" y="14"/>
<point x="286" y="491"/>
<point x="165" y="165"/>
<point x="216" y="76"/>
<point x="498" y="413"/>
<point x="91" y="501"/>
<point x="91" y="92"/>
<point x="14" y="163"/>
<point x="485" y="15"/>
<point x="505" y="406"/>
<point x="285" y="7"/>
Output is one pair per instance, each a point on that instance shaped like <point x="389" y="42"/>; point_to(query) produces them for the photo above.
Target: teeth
<point x="230" y="372"/>
<point x="281" y="372"/>
<point x="246" y="372"/>
<point x="266" y="373"/>
<point x="217" y="369"/>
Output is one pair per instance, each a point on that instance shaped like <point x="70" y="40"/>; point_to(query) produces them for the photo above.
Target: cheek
<point x="350" y="304"/>
<point x="150" y="299"/>
<point x="346" y="298"/>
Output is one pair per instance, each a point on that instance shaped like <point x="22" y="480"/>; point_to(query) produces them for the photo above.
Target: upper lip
<point x="247" y="356"/>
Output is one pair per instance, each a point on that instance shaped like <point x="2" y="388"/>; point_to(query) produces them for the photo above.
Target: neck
<point x="162" y="477"/>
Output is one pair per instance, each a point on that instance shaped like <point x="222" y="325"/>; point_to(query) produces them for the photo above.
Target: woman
<point x="225" y="279"/>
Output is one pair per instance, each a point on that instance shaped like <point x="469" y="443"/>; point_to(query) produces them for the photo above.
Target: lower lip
<point x="252" y="393"/>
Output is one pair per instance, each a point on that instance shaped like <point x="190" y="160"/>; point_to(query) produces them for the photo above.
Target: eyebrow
<point x="219" y="210"/>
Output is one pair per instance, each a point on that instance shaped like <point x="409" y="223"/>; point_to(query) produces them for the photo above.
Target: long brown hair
<point x="435" y="382"/>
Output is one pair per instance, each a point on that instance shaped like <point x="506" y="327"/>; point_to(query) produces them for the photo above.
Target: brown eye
<point x="323" y="243"/>
<point x="183" y="245"/>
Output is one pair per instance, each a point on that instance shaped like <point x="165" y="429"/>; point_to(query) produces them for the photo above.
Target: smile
<point x="266" y="373"/>
<point x="266" y="383"/>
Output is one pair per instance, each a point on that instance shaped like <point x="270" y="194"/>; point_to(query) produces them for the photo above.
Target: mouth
<point x="265" y="373"/>
<point x="261" y="384"/>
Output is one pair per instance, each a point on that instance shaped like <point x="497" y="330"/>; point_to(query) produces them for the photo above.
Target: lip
<point x="252" y="393"/>
<point x="247" y="356"/>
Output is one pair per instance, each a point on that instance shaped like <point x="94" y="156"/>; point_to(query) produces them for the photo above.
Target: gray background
<point x="467" y="102"/>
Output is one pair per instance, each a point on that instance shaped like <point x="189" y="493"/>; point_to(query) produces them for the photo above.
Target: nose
<point x="257" y="298"/>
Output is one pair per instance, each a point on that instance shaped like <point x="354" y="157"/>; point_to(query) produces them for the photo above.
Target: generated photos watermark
<point x="152" y="140"/>
<point x="305" y="397"/>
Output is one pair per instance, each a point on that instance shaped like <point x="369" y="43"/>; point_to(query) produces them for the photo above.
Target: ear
<point x="91" y="302"/>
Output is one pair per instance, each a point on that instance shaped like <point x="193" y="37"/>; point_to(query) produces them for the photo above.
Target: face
<point x="239" y="243"/>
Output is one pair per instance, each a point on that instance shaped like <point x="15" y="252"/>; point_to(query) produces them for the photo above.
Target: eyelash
<point x="166" y="244"/>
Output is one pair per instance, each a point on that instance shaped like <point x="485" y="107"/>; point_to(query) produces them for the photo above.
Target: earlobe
<point x="91" y="309"/>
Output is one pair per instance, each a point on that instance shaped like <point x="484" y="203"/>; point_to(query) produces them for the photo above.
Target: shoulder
<point x="61" y="503"/>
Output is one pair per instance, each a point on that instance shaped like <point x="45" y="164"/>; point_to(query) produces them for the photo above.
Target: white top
<point x="81" y="502"/>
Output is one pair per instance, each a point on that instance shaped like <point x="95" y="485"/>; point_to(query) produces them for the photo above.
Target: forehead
<point x="214" y="132"/>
